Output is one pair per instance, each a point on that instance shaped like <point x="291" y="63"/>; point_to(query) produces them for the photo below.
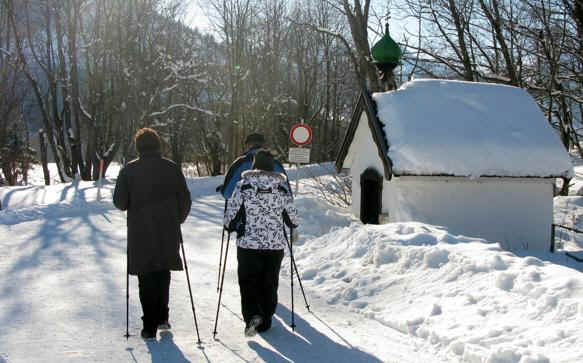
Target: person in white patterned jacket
<point x="260" y="205"/>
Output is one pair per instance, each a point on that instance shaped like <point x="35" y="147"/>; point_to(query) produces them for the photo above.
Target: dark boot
<point x="165" y="325"/>
<point x="251" y="328"/>
<point x="148" y="334"/>
<point x="265" y="325"/>
<point x="150" y="329"/>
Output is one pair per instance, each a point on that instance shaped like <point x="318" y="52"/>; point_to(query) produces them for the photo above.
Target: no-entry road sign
<point x="300" y="134"/>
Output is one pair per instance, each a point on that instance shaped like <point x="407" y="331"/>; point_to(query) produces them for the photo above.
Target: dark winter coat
<point x="264" y="199"/>
<point x="153" y="191"/>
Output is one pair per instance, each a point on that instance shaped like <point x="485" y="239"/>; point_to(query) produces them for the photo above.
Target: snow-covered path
<point x="400" y="292"/>
<point x="62" y="295"/>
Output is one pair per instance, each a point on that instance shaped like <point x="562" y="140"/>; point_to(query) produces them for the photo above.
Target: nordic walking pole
<point x="221" y="253"/>
<point x="127" y="335"/>
<point x="220" y="259"/>
<point x="189" y="290"/>
<point x="222" y="283"/>
<point x="219" y="190"/>
<point x="296" y="269"/>
<point x="291" y="276"/>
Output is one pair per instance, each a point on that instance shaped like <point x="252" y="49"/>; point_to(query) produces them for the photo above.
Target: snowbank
<point x="470" y="299"/>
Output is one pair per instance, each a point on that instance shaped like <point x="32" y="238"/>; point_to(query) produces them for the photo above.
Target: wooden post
<point x="100" y="181"/>
<point x="552" y="238"/>
<point x="297" y="178"/>
<point x="101" y="165"/>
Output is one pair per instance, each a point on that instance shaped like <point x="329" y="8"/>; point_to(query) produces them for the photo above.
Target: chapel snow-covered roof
<point x="444" y="127"/>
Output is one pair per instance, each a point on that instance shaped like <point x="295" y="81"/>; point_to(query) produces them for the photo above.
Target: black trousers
<point x="258" y="272"/>
<point x="154" y="293"/>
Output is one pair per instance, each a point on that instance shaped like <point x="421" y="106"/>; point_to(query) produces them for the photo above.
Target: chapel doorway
<point x="371" y="194"/>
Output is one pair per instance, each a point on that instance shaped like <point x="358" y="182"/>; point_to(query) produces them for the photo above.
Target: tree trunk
<point x="496" y="22"/>
<point x="358" y="20"/>
<point x="43" y="157"/>
<point x="73" y="17"/>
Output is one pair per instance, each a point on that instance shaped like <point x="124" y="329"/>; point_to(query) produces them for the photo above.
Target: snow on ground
<point x="471" y="300"/>
<point x="576" y="184"/>
<point x="403" y="292"/>
<point x="568" y="211"/>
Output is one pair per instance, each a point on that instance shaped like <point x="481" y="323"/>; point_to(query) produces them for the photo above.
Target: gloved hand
<point x="219" y="189"/>
<point x="294" y="235"/>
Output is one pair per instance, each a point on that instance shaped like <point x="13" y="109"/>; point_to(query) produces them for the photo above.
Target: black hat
<point x="255" y="139"/>
<point x="263" y="160"/>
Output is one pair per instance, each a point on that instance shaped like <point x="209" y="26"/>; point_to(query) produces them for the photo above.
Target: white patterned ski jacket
<point x="261" y="200"/>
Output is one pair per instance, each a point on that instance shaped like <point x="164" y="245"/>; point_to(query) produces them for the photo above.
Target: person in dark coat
<point x="153" y="191"/>
<point x="253" y="143"/>
<point x="260" y="205"/>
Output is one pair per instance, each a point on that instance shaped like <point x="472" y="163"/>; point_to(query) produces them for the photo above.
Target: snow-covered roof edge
<point x="365" y="103"/>
<point x="475" y="129"/>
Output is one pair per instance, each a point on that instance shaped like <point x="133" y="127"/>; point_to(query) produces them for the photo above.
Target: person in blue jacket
<point x="253" y="143"/>
<point x="262" y="202"/>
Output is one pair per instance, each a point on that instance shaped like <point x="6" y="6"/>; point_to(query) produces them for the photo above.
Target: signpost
<point x="300" y="135"/>
<point x="100" y="181"/>
<point x="299" y="155"/>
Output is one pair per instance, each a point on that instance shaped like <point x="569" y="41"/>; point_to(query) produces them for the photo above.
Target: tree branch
<point x="192" y="108"/>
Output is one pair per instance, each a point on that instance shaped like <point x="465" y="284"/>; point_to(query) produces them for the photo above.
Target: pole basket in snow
<point x="222" y="283"/>
<point x="295" y="267"/>
<point x="199" y="342"/>
<point x="127" y="334"/>
<point x="291" y="277"/>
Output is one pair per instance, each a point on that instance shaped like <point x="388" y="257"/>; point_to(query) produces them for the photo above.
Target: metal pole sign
<point x="100" y="181"/>
<point x="299" y="155"/>
<point x="300" y="135"/>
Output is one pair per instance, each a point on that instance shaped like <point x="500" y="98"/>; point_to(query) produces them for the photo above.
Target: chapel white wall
<point x="516" y="212"/>
<point x="363" y="154"/>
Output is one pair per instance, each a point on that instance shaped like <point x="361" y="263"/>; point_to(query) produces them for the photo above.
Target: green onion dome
<point x="386" y="50"/>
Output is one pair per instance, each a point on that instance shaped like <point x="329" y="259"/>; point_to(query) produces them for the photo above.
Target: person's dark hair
<point x="147" y="140"/>
<point x="255" y="139"/>
<point x="263" y="160"/>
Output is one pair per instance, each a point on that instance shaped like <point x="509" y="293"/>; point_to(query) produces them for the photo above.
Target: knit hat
<point x="255" y="139"/>
<point x="263" y="160"/>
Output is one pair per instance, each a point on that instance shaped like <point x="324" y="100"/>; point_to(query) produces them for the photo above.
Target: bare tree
<point x="15" y="153"/>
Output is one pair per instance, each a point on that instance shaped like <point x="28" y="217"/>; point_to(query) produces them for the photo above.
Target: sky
<point x="197" y="14"/>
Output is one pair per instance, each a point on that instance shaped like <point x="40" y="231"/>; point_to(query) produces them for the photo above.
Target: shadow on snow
<point x="306" y="345"/>
<point x="70" y="246"/>
<point x="165" y="350"/>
